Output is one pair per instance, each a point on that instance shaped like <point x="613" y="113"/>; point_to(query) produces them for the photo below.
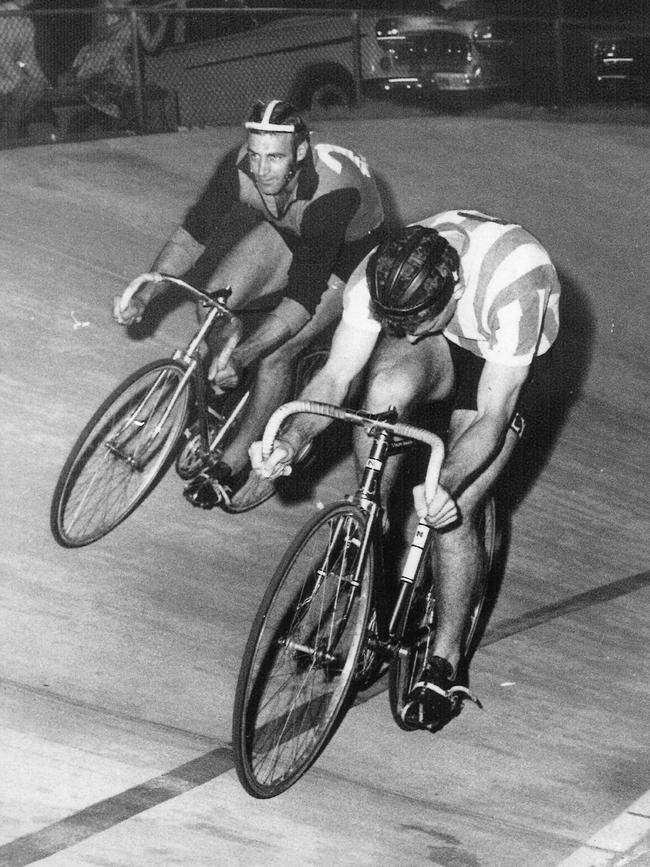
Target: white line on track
<point x="625" y="840"/>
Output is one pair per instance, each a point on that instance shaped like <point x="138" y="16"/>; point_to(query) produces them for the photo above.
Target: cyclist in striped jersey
<point x="466" y="304"/>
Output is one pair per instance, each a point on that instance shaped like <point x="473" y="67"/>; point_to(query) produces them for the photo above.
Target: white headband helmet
<point x="266" y="125"/>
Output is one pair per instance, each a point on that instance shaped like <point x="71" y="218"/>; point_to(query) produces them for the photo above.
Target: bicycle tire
<point x="419" y="622"/>
<point x="301" y="656"/>
<point x="118" y="459"/>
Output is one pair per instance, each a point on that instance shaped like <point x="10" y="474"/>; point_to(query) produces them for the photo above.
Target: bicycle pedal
<point x="464" y="694"/>
<point x="202" y="493"/>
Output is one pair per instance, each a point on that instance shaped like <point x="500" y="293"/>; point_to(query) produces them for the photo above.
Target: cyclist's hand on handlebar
<point x="226" y="369"/>
<point x="132" y="312"/>
<point x="278" y="462"/>
<point x="439" y="511"/>
<point x="129" y="307"/>
<point x="227" y="377"/>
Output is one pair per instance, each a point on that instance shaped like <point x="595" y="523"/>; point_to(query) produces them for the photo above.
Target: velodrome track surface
<point x="119" y="661"/>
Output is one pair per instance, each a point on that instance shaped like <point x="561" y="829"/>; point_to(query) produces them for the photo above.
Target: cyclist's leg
<point x="460" y="550"/>
<point x="256" y="265"/>
<point x="403" y="375"/>
<point x="459" y="577"/>
<point x="230" y="230"/>
<point x="250" y="257"/>
<point x="273" y="379"/>
<point x="254" y="261"/>
<point x="459" y="569"/>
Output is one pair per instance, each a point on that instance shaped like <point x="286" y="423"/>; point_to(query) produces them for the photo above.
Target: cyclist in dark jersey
<point x="316" y="212"/>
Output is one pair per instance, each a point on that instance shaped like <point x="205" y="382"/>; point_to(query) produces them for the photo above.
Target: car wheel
<point x="329" y="95"/>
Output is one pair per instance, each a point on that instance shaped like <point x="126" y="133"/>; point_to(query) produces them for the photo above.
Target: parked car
<point x="432" y="55"/>
<point x="621" y="61"/>
<point x="219" y="62"/>
<point x="542" y="48"/>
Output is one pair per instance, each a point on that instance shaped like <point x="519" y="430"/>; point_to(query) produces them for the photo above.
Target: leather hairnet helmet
<point x="412" y="275"/>
<point x="277" y="116"/>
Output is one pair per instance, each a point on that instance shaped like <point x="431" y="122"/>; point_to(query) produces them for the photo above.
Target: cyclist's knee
<point x="391" y="387"/>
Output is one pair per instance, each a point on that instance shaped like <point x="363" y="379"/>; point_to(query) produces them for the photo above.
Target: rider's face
<point x="272" y="160"/>
<point x="437" y="325"/>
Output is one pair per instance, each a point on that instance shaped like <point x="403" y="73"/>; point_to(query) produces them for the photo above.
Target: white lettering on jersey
<point x="325" y="152"/>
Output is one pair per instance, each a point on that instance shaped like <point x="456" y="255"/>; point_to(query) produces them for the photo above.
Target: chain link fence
<point x="120" y="69"/>
<point x="310" y="59"/>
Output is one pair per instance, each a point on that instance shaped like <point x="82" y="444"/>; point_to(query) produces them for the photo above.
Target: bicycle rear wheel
<point x="120" y="454"/>
<point x="302" y="651"/>
<point x="418" y="625"/>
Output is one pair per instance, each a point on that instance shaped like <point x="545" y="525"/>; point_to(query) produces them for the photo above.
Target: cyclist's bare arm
<point x="469" y="454"/>
<point x="277" y="327"/>
<point x="350" y="351"/>
<point x="179" y="253"/>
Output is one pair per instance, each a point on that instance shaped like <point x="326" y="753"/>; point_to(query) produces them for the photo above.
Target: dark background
<point x="59" y="37"/>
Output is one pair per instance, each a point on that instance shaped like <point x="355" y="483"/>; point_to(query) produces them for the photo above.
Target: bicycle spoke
<point x="119" y="456"/>
<point x="301" y="654"/>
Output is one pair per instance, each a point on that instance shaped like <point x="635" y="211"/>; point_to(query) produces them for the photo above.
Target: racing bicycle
<point x="332" y="618"/>
<point x="165" y="412"/>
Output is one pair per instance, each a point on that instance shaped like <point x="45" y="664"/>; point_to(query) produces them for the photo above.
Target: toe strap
<point x="463" y="693"/>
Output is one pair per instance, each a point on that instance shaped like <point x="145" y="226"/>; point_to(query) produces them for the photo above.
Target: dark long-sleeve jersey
<point x="333" y="219"/>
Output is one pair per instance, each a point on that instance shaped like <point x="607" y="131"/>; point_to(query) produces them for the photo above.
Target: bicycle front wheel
<point x="302" y="652"/>
<point x="120" y="454"/>
<point x="418" y="626"/>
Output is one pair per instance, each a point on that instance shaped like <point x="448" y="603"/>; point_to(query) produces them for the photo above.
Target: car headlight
<point x="483" y="33"/>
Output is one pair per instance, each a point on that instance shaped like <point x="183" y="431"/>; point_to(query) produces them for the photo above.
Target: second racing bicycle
<point x="164" y="411"/>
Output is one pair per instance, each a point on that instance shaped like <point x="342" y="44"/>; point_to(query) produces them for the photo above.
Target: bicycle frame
<point x="192" y="359"/>
<point x="388" y="642"/>
<point x="211" y="424"/>
<point x="389" y="438"/>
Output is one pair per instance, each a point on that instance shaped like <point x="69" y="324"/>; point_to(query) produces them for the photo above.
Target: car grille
<point x="446" y="52"/>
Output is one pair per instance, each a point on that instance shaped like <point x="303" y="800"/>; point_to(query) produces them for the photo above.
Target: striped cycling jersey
<point x="509" y="309"/>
